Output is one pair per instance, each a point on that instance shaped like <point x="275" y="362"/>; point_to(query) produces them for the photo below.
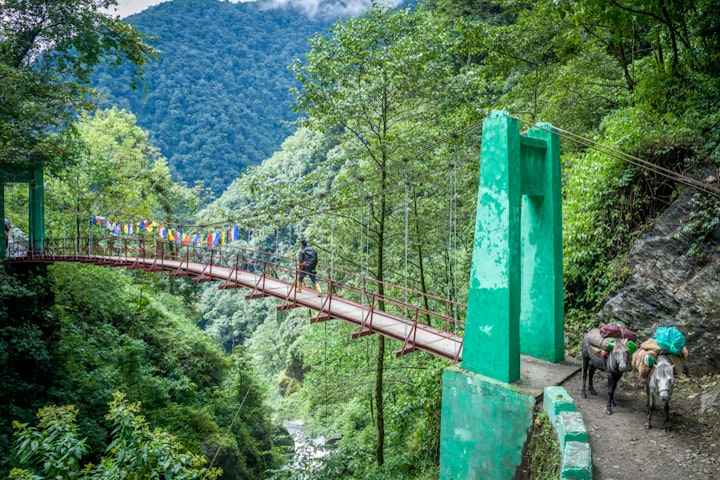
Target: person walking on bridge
<point x="307" y="263"/>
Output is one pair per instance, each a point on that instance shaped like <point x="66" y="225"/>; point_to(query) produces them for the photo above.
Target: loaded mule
<point x="659" y="386"/>
<point x="615" y="363"/>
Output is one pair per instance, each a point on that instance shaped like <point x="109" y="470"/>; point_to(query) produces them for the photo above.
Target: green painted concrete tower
<point x="492" y="332"/>
<point x="33" y="176"/>
<point x="515" y="302"/>
<point x="541" y="304"/>
<point x="37" y="210"/>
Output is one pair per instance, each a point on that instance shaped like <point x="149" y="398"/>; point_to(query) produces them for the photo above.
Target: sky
<point x="128" y="7"/>
<point x="311" y="7"/>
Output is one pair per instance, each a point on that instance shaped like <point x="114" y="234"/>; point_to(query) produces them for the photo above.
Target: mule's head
<point x="664" y="377"/>
<point x="621" y="352"/>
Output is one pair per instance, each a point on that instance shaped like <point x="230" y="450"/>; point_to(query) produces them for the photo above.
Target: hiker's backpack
<point x="311" y="258"/>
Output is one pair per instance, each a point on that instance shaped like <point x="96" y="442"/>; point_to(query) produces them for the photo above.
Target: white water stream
<point x="308" y="450"/>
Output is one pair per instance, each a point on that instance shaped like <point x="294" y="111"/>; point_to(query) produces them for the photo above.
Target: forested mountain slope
<point x="217" y="98"/>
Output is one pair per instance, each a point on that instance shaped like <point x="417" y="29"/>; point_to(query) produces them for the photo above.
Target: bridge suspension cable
<point x="631" y="159"/>
<point x="347" y="203"/>
<point x="357" y="180"/>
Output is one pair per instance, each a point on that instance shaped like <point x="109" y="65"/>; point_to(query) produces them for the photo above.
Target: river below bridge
<point x="308" y="450"/>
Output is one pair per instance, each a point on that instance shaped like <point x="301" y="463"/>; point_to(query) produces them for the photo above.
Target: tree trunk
<point x="380" y="449"/>
<point x="379" y="275"/>
<point x="421" y="265"/>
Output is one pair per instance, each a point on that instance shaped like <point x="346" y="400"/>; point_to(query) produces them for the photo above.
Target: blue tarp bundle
<point x="670" y="339"/>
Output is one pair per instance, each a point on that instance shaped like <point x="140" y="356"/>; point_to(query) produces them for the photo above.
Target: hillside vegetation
<point x="218" y="98"/>
<point x="380" y="183"/>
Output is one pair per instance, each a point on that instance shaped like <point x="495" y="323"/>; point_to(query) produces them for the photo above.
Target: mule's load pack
<point x="617" y="331"/>
<point x="668" y="341"/>
<point x="602" y="340"/>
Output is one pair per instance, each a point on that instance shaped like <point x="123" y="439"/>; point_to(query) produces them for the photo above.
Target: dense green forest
<point x="381" y="176"/>
<point x="218" y="98"/>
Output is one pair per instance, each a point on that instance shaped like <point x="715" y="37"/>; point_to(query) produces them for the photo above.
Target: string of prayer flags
<point x="176" y="235"/>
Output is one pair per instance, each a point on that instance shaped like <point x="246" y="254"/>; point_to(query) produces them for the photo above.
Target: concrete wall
<point x="484" y="426"/>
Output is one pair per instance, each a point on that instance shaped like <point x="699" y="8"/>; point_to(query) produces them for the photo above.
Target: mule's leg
<point x="668" y="427"/>
<point x="584" y="377"/>
<point x="649" y="407"/>
<point x="591" y="374"/>
<point x="612" y="382"/>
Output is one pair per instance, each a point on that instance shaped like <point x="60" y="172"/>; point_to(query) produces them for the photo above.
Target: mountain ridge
<point x="218" y="98"/>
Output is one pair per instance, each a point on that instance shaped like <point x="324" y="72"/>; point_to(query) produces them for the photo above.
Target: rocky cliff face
<point x="666" y="287"/>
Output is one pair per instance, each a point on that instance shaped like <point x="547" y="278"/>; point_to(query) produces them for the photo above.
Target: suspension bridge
<point x="413" y="321"/>
<point x="483" y="392"/>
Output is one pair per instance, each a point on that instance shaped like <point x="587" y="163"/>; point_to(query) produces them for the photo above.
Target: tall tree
<point x="374" y="81"/>
<point x="47" y="51"/>
<point x="118" y="174"/>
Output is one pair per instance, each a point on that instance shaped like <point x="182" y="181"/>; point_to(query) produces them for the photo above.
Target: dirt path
<point x="623" y="449"/>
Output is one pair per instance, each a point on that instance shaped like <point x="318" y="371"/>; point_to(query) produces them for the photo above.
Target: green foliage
<point x="84" y="332"/>
<point x="541" y="459"/>
<point x="53" y="450"/>
<point x="703" y="223"/>
<point x="53" y="446"/>
<point x="118" y="175"/>
<point x="675" y="33"/>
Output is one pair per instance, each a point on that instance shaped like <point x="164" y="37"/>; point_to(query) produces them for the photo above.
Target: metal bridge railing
<point x="151" y="254"/>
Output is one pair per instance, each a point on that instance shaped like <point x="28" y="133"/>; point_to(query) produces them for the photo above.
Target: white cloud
<point x="332" y="8"/>
<point x="128" y="7"/>
<point x="309" y="7"/>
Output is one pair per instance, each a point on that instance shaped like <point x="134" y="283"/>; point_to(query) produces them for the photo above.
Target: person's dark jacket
<point x="307" y="258"/>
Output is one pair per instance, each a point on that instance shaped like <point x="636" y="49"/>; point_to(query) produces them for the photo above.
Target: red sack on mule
<point x="616" y="331"/>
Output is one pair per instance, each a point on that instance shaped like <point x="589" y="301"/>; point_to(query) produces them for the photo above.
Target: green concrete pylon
<point x="37" y="210"/>
<point x="542" y="319"/>
<point x="492" y="334"/>
<point x="34" y="177"/>
<point x="515" y="302"/>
